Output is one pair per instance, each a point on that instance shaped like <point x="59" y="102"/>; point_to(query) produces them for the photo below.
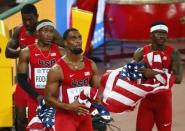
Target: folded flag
<point x="36" y="125"/>
<point x="46" y="114"/>
<point x="44" y="120"/>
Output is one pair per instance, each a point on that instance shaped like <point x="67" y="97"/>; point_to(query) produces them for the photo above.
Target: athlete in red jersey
<point x="23" y="36"/>
<point x="157" y="108"/>
<point x="74" y="72"/>
<point x="38" y="58"/>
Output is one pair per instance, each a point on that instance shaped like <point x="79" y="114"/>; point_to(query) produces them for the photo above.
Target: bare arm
<point x="23" y="61"/>
<point x="23" y="76"/>
<point x="177" y="66"/>
<point x="95" y="82"/>
<point x="55" y="75"/>
<point x="12" y="45"/>
<point x="52" y="87"/>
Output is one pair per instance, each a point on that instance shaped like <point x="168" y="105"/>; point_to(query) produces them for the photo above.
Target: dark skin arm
<point x="23" y="64"/>
<point x="23" y="61"/>
<point x="95" y="81"/>
<point x="177" y="66"/>
<point x="51" y="92"/>
<point x="12" y="45"/>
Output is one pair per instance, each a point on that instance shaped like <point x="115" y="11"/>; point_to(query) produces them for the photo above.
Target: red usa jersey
<point x="25" y="39"/>
<point x="165" y="60"/>
<point x="40" y="63"/>
<point x="74" y="80"/>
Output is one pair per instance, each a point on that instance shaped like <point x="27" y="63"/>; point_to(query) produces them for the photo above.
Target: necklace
<point x="43" y="53"/>
<point x="75" y="65"/>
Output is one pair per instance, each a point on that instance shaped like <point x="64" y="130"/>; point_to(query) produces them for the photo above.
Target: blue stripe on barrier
<point x="61" y="15"/>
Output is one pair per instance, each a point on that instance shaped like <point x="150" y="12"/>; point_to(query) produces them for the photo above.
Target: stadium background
<point x="125" y="28"/>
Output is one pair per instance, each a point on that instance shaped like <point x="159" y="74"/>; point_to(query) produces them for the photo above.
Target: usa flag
<point x="36" y="125"/>
<point x="121" y="89"/>
<point x="122" y="93"/>
<point x="44" y="120"/>
<point x="131" y="71"/>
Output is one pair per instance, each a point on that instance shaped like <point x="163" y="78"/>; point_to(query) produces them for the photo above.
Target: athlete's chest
<point x="78" y="78"/>
<point x="43" y="58"/>
<point x="25" y="40"/>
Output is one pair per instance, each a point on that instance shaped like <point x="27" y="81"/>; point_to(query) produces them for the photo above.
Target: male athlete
<point x="66" y="79"/>
<point x="35" y="62"/>
<point x="23" y="36"/>
<point x="157" y="108"/>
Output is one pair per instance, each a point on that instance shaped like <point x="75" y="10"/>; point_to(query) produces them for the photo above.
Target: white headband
<point x="44" y="24"/>
<point x="159" y="27"/>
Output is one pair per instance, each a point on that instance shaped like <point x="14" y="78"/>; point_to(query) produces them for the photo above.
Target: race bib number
<point x="41" y="77"/>
<point x="73" y="93"/>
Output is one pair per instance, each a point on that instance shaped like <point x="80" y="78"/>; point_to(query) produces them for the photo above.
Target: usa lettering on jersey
<point x="47" y="63"/>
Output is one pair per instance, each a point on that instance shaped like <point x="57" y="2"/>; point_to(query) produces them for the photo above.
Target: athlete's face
<point x="30" y="21"/>
<point x="74" y="42"/>
<point x="159" y="37"/>
<point x="46" y="34"/>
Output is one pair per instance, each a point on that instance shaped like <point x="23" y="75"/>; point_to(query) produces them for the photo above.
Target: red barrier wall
<point x="132" y="21"/>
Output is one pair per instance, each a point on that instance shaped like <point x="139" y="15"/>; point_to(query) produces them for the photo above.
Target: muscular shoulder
<point x="16" y="32"/>
<point x="56" y="68"/>
<point x="24" y="54"/>
<point x="55" y="72"/>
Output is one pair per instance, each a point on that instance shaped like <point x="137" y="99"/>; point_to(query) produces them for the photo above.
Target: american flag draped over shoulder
<point x="122" y="93"/>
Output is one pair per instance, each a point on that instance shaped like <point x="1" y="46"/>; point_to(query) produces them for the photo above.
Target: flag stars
<point x="131" y="71"/>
